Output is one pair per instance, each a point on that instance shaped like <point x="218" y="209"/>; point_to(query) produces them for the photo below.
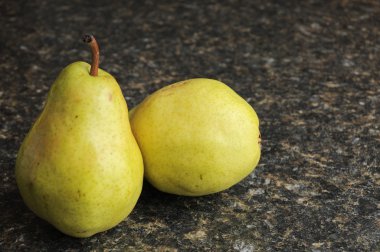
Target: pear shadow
<point x="16" y="216"/>
<point x="154" y="204"/>
<point x="21" y="227"/>
<point x="150" y="195"/>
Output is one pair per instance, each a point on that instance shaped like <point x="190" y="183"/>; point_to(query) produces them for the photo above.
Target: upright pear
<point x="197" y="137"/>
<point x="79" y="167"/>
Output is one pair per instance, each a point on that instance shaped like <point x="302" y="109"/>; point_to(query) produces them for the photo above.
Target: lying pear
<point x="197" y="137"/>
<point x="79" y="167"/>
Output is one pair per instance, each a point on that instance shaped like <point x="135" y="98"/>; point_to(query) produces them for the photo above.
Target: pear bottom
<point x="80" y="211"/>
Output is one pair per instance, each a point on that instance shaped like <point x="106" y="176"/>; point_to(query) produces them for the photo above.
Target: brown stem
<point x="91" y="41"/>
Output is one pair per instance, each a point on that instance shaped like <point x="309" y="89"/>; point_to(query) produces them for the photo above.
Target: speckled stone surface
<point x="311" y="69"/>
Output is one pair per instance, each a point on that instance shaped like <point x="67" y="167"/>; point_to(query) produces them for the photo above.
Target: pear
<point x="79" y="166"/>
<point x="197" y="137"/>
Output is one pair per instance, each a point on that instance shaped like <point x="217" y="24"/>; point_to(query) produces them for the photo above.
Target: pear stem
<point x="91" y="41"/>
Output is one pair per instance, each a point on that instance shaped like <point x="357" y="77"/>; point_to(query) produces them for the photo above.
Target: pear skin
<point x="79" y="166"/>
<point x="197" y="137"/>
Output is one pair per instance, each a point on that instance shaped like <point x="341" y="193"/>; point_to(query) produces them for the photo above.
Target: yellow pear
<point x="197" y="137"/>
<point x="80" y="167"/>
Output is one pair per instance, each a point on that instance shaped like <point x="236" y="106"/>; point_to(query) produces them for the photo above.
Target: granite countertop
<point x="311" y="70"/>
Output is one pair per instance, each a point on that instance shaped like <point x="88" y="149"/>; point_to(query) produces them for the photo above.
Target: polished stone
<point x="311" y="69"/>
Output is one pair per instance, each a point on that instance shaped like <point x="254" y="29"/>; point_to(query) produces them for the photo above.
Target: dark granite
<point x="310" y="68"/>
